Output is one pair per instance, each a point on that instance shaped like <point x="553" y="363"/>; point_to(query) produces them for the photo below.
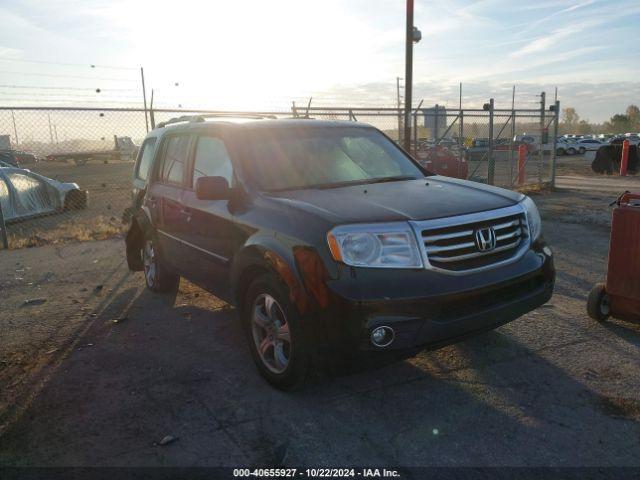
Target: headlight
<point x="533" y="216"/>
<point x="385" y="245"/>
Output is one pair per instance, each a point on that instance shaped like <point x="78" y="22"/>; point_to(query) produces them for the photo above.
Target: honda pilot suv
<point x="329" y="238"/>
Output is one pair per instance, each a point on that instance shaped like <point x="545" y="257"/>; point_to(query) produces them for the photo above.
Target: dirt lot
<point x="102" y="370"/>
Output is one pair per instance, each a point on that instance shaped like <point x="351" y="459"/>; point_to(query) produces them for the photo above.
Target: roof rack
<point x="201" y="118"/>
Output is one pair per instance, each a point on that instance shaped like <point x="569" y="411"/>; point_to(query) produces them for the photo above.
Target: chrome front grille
<point x="453" y="244"/>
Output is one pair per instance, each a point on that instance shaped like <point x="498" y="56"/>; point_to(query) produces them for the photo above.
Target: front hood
<point x="423" y="199"/>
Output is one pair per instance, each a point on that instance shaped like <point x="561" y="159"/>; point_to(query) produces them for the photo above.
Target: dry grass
<point x="98" y="228"/>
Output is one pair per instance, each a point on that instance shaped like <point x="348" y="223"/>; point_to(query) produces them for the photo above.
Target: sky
<point x="257" y="54"/>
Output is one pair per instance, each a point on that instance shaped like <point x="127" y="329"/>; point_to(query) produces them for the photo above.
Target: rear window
<point x="145" y="158"/>
<point x="175" y="159"/>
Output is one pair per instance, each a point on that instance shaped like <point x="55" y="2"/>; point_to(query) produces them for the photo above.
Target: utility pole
<point x="144" y="99"/>
<point x="399" y="105"/>
<point x="50" y="129"/>
<point x="15" y="130"/>
<point x="408" y="76"/>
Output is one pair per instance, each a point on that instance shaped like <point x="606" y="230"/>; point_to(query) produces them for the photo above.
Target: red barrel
<point x="623" y="274"/>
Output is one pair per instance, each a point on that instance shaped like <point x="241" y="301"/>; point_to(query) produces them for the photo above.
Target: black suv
<point x="330" y="238"/>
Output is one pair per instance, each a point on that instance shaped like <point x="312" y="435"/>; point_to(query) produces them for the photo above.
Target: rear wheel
<point x="156" y="275"/>
<point x="274" y="333"/>
<point x="75" y="200"/>
<point x="581" y="150"/>
<point x="571" y="151"/>
<point x="599" y="303"/>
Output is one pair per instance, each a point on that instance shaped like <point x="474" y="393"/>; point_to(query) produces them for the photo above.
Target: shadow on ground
<point x="151" y="367"/>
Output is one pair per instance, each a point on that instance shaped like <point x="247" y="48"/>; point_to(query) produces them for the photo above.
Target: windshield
<point x="286" y="159"/>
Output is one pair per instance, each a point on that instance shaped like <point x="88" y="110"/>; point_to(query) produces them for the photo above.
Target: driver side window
<point x="212" y="159"/>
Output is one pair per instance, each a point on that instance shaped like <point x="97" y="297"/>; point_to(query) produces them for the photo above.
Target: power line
<point x="75" y="102"/>
<point x="39" y="87"/>
<point x="64" y="64"/>
<point x="77" y="95"/>
<point x="68" y="76"/>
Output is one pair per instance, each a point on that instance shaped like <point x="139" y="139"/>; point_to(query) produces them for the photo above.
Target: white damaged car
<point x="25" y="194"/>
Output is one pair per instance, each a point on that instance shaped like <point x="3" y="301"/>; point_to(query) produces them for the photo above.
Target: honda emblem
<point x="485" y="239"/>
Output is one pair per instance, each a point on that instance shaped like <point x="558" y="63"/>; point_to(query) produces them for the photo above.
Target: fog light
<point x="382" y="336"/>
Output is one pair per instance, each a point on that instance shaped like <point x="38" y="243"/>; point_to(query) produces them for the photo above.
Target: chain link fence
<point x="75" y="165"/>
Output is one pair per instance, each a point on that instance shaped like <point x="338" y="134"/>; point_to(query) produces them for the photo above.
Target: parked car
<point x="18" y="158"/>
<point x="441" y="160"/>
<point x="590" y="144"/>
<point x="329" y="238"/>
<point x="565" y="147"/>
<point x="633" y="138"/>
<point x="25" y="194"/>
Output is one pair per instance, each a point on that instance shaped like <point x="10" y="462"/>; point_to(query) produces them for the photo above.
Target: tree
<point x="570" y="116"/>
<point x="584" y="127"/>
<point x="620" y="123"/>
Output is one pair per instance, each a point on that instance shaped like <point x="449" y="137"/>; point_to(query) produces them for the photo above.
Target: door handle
<point x="187" y="213"/>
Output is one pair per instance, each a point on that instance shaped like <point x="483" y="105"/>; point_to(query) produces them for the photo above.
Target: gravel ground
<point x="102" y="371"/>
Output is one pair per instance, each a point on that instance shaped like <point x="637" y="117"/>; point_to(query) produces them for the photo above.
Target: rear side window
<point x="175" y="159"/>
<point x="211" y="159"/>
<point x="145" y="158"/>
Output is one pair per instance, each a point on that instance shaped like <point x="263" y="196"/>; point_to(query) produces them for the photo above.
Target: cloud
<point x="544" y="43"/>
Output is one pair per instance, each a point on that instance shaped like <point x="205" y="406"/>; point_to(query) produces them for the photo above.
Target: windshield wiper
<point x="362" y="181"/>
<point x="366" y="181"/>
<point x="397" y="178"/>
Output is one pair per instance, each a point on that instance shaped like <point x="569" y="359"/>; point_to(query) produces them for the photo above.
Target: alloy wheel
<point x="270" y="331"/>
<point x="150" y="263"/>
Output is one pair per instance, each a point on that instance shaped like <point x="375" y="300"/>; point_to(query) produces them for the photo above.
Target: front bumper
<point x="432" y="309"/>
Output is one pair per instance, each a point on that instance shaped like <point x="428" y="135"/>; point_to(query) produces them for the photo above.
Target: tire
<point x="560" y="152"/>
<point x="75" y="200"/>
<point x="581" y="150"/>
<point x="571" y="151"/>
<point x="157" y="277"/>
<point x="598" y="303"/>
<point x="274" y="333"/>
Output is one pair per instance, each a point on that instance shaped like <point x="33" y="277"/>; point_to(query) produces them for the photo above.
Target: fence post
<point x="624" y="161"/>
<point x="491" y="171"/>
<point x="522" y="162"/>
<point x="461" y="138"/>
<point x="415" y="134"/>
<point x="513" y="134"/>
<point x="554" y="155"/>
<point x="543" y="97"/>
<point x="435" y="123"/>
<point x="3" y="231"/>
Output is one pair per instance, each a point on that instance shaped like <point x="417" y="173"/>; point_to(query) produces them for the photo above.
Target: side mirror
<point x="212" y="188"/>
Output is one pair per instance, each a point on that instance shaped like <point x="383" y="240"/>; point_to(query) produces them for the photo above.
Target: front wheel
<point x="581" y="150"/>
<point x="571" y="151"/>
<point x="274" y="333"/>
<point x="560" y="152"/>
<point x="156" y="275"/>
<point x="599" y="303"/>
